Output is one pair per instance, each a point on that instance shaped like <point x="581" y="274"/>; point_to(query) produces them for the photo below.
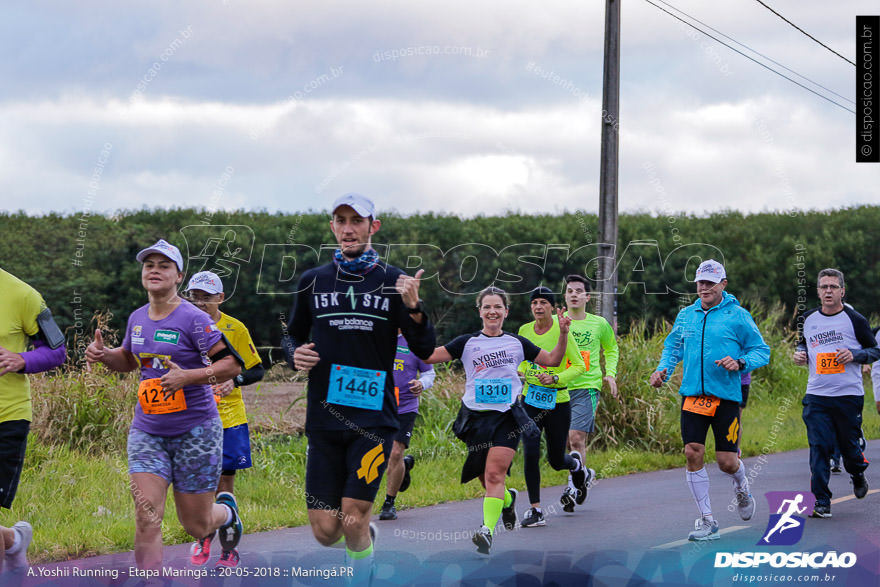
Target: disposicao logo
<point x="786" y="526"/>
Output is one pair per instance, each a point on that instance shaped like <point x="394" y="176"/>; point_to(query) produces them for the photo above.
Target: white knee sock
<point x="740" y="483"/>
<point x="698" y="481"/>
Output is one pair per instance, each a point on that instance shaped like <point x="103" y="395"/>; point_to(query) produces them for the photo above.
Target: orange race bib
<point x="826" y="364"/>
<point x="585" y="355"/>
<point x="152" y="398"/>
<point x="701" y="404"/>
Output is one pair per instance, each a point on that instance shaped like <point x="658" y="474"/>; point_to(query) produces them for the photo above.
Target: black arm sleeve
<point x="420" y="337"/>
<point x="300" y="324"/>
<point x="251" y="375"/>
<point x="869" y="352"/>
<point x="456" y="346"/>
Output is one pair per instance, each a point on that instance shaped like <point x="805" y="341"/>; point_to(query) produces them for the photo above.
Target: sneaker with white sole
<point x="704" y="530"/>
<point x="483" y="540"/>
<point x="18" y="562"/>
<point x="821" y="511"/>
<point x="200" y="551"/>
<point x="745" y="504"/>
<point x="230" y="534"/>
<point x="568" y="499"/>
<point x="533" y="518"/>
<point x="508" y="514"/>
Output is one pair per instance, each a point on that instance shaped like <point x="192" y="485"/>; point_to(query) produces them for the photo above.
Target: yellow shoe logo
<point x="370" y="464"/>
<point x="733" y="431"/>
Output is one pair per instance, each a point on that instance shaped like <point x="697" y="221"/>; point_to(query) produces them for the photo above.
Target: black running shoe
<point x="230" y="534"/>
<point x="508" y="514"/>
<point x="533" y="519"/>
<point x="860" y="485"/>
<point x="389" y="512"/>
<point x="567" y="500"/>
<point x="409" y="462"/>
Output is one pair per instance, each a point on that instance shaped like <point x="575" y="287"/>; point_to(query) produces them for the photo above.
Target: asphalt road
<point x="631" y="531"/>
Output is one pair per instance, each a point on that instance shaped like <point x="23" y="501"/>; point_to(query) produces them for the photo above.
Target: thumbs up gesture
<point x="173" y="380"/>
<point x="95" y="351"/>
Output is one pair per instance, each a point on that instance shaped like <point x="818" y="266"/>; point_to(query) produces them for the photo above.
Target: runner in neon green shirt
<point x="591" y="333"/>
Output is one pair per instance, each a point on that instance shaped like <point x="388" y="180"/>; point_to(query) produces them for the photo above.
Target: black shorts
<point x="407" y="423"/>
<point x="13" y="443"/>
<point x="345" y="463"/>
<point x="725" y="426"/>
<point x="745" y="394"/>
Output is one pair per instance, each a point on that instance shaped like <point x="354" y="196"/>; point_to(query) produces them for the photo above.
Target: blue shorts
<point x="191" y="461"/>
<point x="583" y="409"/>
<point x="236" y="448"/>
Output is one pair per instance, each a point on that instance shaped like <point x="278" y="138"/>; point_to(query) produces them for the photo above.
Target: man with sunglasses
<point x="834" y="339"/>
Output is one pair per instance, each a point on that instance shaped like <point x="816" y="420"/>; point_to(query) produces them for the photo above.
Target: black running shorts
<point x="725" y="426"/>
<point x="345" y="463"/>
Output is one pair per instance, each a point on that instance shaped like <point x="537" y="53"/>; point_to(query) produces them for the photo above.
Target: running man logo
<point x="733" y="431"/>
<point x="785" y="527"/>
<point x="370" y="464"/>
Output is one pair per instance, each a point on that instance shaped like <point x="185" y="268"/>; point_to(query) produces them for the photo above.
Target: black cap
<point x="543" y="292"/>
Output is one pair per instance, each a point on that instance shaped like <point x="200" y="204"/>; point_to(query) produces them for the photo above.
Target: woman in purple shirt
<point x="176" y="435"/>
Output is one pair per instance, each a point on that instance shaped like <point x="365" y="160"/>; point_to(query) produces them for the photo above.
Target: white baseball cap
<point x="163" y="248"/>
<point x="360" y="204"/>
<point x="206" y="281"/>
<point x="710" y="270"/>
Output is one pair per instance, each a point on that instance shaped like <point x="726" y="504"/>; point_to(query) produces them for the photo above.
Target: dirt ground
<point x="270" y="406"/>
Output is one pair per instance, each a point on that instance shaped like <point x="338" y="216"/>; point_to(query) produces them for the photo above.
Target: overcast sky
<point x="460" y="107"/>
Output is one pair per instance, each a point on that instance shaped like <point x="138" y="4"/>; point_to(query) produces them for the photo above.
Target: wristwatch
<point x="556" y="379"/>
<point x="742" y="364"/>
<point x="420" y="308"/>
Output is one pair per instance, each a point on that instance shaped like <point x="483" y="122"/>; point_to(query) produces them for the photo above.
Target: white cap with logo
<point x="163" y="248"/>
<point x="710" y="270"/>
<point x="206" y="281"/>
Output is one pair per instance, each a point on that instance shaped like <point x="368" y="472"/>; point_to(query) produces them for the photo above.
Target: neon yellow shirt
<point x="20" y="304"/>
<point x="591" y="334"/>
<point x="231" y="407"/>
<point x="571" y="368"/>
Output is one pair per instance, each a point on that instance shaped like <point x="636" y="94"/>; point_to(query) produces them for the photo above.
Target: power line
<point x="795" y="82"/>
<point x="804" y="32"/>
<point x="771" y="60"/>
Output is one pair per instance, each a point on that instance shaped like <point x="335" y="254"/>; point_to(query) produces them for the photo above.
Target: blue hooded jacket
<point x="699" y="338"/>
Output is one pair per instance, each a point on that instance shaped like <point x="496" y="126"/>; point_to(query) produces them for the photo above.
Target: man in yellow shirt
<point x="24" y="319"/>
<point x="205" y="291"/>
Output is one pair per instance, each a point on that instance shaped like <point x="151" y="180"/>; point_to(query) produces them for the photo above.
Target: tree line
<point x="85" y="264"/>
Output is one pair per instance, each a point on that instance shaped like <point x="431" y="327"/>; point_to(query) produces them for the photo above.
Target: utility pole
<point x="608" y="173"/>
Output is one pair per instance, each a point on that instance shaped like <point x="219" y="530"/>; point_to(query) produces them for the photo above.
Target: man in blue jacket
<point x="716" y="339"/>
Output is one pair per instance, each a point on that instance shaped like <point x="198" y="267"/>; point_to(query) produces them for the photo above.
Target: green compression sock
<point x="492" y="507"/>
